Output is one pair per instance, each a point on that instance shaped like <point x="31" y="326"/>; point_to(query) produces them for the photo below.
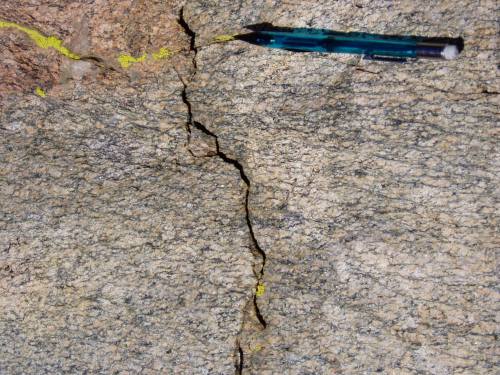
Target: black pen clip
<point x="400" y="60"/>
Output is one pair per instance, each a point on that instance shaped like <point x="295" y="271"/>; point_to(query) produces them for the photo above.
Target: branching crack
<point x="191" y="123"/>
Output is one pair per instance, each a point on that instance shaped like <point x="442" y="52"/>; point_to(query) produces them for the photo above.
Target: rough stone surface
<point x="374" y="187"/>
<point x="120" y="251"/>
<point x="373" y="194"/>
<point x="98" y="31"/>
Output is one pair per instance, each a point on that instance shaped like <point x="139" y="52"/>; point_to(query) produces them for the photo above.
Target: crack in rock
<point x="239" y="364"/>
<point x="258" y="252"/>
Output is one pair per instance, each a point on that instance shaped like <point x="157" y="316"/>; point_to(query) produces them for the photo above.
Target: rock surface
<point x="120" y="251"/>
<point x="370" y="190"/>
<point x="97" y="31"/>
<point x="374" y="187"/>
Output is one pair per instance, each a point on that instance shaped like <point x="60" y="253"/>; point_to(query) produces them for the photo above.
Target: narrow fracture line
<point x="239" y="365"/>
<point x="191" y="123"/>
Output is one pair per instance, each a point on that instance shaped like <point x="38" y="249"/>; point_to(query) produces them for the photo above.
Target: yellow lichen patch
<point x="257" y="348"/>
<point x="40" y="92"/>
<point x="223" y="38"/>
<point x="163" y="53"/>
<point x="42" y="40"/>
<point x="261" y="289"/>
<point x="127" y="60"/>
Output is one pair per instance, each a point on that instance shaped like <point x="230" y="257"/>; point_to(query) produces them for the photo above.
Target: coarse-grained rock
<point x="119" y="251"/>
<point x="98" y="32"/>
<point x="373" y="186"/>
<point x="123" y="249"/>
<point x="256" y="211"/>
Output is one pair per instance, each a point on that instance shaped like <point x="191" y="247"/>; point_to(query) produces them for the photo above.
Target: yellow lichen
<point x="257" y="348"/>
<point x="42" y="40"/>
<point x="127" y="60"/>
<point x="40" y="92"/>
<point x="261" y="289"/>
<point x="163" y="53"/>
<point x="223" y="38"/>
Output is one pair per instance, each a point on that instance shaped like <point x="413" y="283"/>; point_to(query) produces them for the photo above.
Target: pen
<point x="371" y="46"/>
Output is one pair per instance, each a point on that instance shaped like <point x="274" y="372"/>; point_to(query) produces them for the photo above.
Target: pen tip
<point x="250" y="37"/>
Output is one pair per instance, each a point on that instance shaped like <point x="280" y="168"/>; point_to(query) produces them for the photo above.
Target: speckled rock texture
<point x="97" y="30"/>
<point x="373" y="186"/>
<point x="121" y="252"/>
<point x="238" y="210"/>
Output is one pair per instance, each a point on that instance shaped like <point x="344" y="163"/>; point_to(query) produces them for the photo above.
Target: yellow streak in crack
<point x="42" y="40"/>
<point x="261" y="289"/>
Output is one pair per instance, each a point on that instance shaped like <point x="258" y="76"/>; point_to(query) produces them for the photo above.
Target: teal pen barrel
<point x="375" y="46"/>
<point x="344" y="44"/>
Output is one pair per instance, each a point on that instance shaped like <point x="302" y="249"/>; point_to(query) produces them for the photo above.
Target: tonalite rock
<point x="171" y="205"/>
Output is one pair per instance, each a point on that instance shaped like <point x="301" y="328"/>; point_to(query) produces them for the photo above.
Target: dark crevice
<point x="188" y="105"/>
<point x="189" y="112"/>
<point x="261" y="319"/>
<point x="187" y="29"/>
<point x="189" y="32"/>
<point x="239" y="364"/>
<point x="190" y="124"/>
<point x="245" y="179"/>
<point x="92" y="58"/>
<point x="485" y="91"/>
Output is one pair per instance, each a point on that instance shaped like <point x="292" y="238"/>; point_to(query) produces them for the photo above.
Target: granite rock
<point x="232" y="209"/>
<point x="98" y="32"/>
<point x="373" y="186"/>
<point x="121" y="249"/>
